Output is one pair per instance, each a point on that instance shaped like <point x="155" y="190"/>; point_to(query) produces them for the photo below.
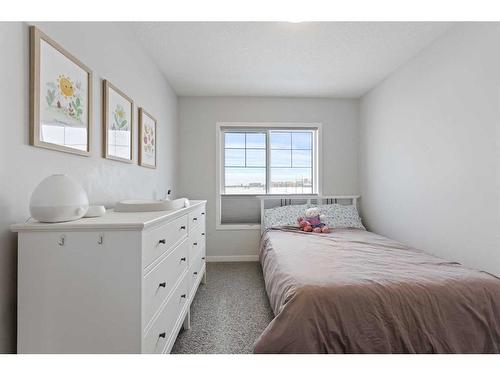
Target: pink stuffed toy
<point x="304" y="225"/>
<point x="313" y="222"/>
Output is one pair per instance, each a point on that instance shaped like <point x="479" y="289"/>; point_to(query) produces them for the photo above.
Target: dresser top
<point x="110" y="221"/>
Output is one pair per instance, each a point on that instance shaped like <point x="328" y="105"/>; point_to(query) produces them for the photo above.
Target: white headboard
<point x="287" y="200"/>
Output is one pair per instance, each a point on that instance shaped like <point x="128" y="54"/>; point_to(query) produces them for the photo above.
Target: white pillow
<point x="285" y="215"/>
<point x="339" y="216"/>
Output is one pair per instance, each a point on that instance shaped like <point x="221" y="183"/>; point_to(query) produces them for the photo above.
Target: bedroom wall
<point x="112" y="53"/>
<point x="430" y="149"/>
<point x="197" y="152"/>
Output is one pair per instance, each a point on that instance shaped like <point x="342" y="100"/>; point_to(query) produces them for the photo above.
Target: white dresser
<point x="121" y="283"/>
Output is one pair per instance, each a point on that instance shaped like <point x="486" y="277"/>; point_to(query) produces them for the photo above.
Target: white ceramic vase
<point x="58" y="198"/>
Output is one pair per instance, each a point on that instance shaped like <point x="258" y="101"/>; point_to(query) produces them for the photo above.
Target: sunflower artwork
<point x="60" y="97"/>
<point x="64" y="100"/>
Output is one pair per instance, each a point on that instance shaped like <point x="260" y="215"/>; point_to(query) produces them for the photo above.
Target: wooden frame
<point x="106" y="85"/>
<point x="143" y="113"/>
<point x="36" y="36"/>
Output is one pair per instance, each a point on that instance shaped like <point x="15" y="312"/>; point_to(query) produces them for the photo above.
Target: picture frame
<point x="60" y="97"/>
<point x="147" y="139"/>
<point x="118" y="124"/>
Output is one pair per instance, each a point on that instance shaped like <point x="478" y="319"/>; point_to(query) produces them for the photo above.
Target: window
<point x="260" y="159"/>
<point x="268" y="162"/>
<point x="244" y="162"/>
<point x="291" y="164"/>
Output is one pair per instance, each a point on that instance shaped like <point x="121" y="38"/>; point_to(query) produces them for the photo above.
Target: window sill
<point x="219" y="226"/>
<point x="310" y="195"/>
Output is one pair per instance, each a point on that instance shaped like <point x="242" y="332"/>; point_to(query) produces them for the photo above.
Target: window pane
<point x="301" y="158"/>
<point x="234" y="157"/>
<point x="234" y="140"/>
<point x="256" y="158"/>
<point x="281" y="158"/>
<point x="256" y="140"/>
<point x="280" y="140"/>
<point x="291" y="180"/>
<point x="245" y="180"/>
<point x="302" y="141"/>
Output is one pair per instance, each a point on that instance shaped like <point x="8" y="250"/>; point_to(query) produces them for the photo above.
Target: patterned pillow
<point x="285" y="215"/>
<point x="339" y="216"/>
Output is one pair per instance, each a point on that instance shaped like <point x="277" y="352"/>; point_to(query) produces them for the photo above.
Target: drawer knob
<point x="195" y="243"/>
<point x="195" y="273"/>
<point x="162" y="285"/>
<point x="183" y="259"/>
<point x="203" y="234"/>
<point x="163" y="241"/>
<point x="183" y="227"/>
<point x="183" y="296"/>
<point x="195" y="218"/>
<point x="203" y="258"/>
<point x="203" y="213"/>
<point x="162" y="335"/>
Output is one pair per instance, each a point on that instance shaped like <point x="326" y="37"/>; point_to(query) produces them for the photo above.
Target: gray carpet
<point x="229" y="312"/>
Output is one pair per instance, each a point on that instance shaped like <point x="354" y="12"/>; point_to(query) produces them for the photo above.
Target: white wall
<point x="430" y="149"/>
<point x="197" y="120"/>
<point x="112" y="53"/>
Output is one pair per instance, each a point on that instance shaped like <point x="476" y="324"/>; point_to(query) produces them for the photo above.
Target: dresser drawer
<point x="160" y="281"/>
<point x="195" y="268"/>
<point x="159" y="335"/>
<point x="197" y="217"/>
<point x="196" y="241"/>
<point x="162" y="239"/>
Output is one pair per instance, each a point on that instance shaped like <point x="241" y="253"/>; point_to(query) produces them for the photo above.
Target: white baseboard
<point x="233" y="258"/>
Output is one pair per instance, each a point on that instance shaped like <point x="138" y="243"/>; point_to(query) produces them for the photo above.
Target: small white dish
<point x="96" y="211"/>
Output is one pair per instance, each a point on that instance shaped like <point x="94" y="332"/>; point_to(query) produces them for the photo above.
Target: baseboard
<point x="233" y="258"/>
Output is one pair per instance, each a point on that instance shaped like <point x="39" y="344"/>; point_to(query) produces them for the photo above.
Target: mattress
<point x="352" y="291"/>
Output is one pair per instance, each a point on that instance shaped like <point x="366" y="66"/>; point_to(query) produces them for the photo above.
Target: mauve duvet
<point x="352" y="291"/>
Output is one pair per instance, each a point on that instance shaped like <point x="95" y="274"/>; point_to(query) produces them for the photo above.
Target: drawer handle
<point x="195" y="218"/>
<point x="203" y="213"/>
<point x="163" y="241"/>
<point x="195" y="243"/>
<point x="203" y="234"/>
<point x="183" y="296"/>
<point x="183" y="259"/>
<point x="162" y="285"/>
<point x="195" y="273"/>
<point x="183" y="227"/>
<point x="203" y="258"/>
<point x="162" y="335"/>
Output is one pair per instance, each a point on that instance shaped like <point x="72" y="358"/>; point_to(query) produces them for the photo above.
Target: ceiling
<point x="309" y="59"/>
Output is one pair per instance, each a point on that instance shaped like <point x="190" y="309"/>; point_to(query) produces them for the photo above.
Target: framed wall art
<point x="118" y="124"/>
<point x="60" y="97"/>
<point x="147" y="139"/>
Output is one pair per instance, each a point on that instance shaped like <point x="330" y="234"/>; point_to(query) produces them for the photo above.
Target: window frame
<point x="222" y="127"/>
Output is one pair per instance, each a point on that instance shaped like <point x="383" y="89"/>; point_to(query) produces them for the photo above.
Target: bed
<point x="353" y="291"/>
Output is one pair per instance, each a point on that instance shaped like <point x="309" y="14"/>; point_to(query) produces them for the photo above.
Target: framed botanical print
<point x="60" y="97"/>
<point x="147" y="139"/>
<point x="118" y="124"/>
